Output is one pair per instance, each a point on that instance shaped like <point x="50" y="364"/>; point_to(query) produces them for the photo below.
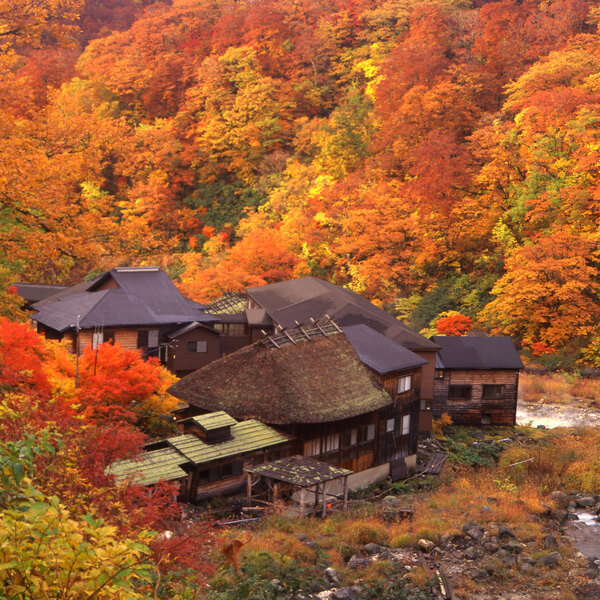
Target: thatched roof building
<point x="317" y="380"/>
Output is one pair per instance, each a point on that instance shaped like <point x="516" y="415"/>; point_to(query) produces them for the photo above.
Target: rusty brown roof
<point x="314" y="381"/>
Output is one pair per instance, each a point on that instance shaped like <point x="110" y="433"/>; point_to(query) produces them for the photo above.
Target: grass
<point x="559" y="388"/>
<point x="517" y="496"/>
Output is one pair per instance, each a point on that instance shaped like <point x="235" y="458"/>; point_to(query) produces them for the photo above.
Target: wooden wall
<point x="477" y="410"/>
<point x="182" y="362"/>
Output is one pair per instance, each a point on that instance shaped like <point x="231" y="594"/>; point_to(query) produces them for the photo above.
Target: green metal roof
<point x="300" y="471"/>
<point x="214" y="420"/>
<point x="245" y="437"/>
<point x="150" y="467"/>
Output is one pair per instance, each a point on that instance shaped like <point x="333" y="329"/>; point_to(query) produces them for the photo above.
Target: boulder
<point x="332" y="576"/>
<point x="549" y="542"/>
<point x="425" y="545"/>
<point x="560" y="499"/>
<point x="505" y="532"/>
<point x="371" y="549"/>
<point x="513" y="547"/>
<point x="525" y="568"/>
<point x="479" y="574"/>
<point x="506" y="557"/>
<point x="585" y="501"/>
<point x="344" y="593"/>
<point x="472" y="553"/>
<point x="358" y="561"/>
<point x="550" y="559"/>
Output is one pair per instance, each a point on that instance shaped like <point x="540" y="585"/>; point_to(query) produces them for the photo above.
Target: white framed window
<point x="404" y="384"/>
<point x="197" y="346"/>
<point x="405" y="424"/>
<point x="389" y="425"/>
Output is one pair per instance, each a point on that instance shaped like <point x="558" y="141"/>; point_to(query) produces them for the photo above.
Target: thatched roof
<point x="313" y="381"/>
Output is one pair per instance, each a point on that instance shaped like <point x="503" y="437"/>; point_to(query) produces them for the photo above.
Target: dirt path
<point x="554" y="415"/>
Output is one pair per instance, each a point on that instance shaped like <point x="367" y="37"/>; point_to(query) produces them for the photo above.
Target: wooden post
<point x="275" y="492"/>
<point x="302" y="500"/>
<point x="324" y="510"/>
<point x="249" y="489"/>
<point x="317" y="494"/>
<point x="346" y="492"/>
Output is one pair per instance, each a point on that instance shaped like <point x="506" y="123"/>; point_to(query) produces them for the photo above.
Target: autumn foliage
<point x="427" y="153"/>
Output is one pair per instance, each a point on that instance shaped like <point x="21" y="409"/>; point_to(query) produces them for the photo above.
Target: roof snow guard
<point x="302" y="334"/>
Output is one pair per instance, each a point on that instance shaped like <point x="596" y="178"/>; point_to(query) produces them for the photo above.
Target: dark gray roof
<point x="458" y="352"/>
<point x="34" y="292"/>
<point x="380" y="353"/>
<point x="300" y="299"/>
<point x="143" y="297"/>
<point x="190" y="327"/>
<point x="257" y="317"/>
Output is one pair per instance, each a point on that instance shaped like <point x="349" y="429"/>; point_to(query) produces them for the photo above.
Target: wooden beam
<point x="302" y="500"/>
<point x="346" y="492"/>
<point x="324" y="508"/>
<point x="249" y="489"/>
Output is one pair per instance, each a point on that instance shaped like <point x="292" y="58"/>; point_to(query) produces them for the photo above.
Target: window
<point x="312" y="447"/>
<point x="493" y="391"/>
<point x="97" y="339"/>
<point x="147" y="338"/>
<point x="153" y="338"/>
<point x="233" y="329"/>
<point x="439" y="374"/>
<point x="331" y="443"/>
<point x="459" y="392"/>
<point x="366" y="433"/>
<point x="405" y="424"/>
<point x="199" y="346"/>
<point x="389" y="425"/>
<point x="142" y="338"/>
<point x="404" y="384"/>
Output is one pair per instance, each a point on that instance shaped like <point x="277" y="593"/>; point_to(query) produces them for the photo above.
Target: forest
<point x="439" y="157"/>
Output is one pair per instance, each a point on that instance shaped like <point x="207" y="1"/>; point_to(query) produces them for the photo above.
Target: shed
<point x="299" y="472"/>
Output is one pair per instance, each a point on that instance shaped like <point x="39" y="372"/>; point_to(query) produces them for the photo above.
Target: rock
<point x="425" y="545"/>
<point x="344" y="593"/>
<point x="371" y="549"/>
<point x="332" y="576"/>
<point x="585" y="501"/>
<point x="486" y="509"/>
<point x="527" y="559"/>
<point x="550" y="559"/>
<point x="592" y="573"/>
<point x="310" y="544"/>
<point x="446" y="539"/>
<point x="358" y="561"/>
<point x="505" y="532"/>
<point x="560" y="515"/>
<point x="560" y="499"/>
<point x="475" y="533"/>
<point x="392" y="501"/>
<point x="525" y="568"/>
<point x="490" y="546"/>
<point x="301" y="537"/>
<point x="549" y="542"/>
<point x="472" y="553"/>
<point x="506" y="557"/>
<point x="572" y="516"/>
<point x="513" y="547"/>
<point x="479" y="574"/>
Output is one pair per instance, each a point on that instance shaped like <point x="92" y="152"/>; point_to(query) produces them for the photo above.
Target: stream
<point x="556" y="415"/>
<point x="585" y="534"/>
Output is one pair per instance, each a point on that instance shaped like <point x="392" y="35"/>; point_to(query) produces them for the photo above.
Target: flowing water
<point x="585" y="534"/>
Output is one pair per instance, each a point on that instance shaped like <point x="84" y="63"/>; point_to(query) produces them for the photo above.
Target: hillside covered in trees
<point x="432" y="155"/>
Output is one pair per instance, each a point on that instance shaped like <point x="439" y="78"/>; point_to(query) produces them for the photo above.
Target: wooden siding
<point x="477" y="410"/>
<point x="182" y="362"/>
<point x="126" y="338"/>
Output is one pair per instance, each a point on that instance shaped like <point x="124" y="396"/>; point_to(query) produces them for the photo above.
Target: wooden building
<point x="310" y="383"/>
<point x="140" y="308"/>
<point x="476" y="380"/>
<point x="207" y="458"/>
<point x="297" y="301"/>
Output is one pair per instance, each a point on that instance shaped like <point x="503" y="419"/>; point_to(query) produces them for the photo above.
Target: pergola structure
<point x="300" y="472"/>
